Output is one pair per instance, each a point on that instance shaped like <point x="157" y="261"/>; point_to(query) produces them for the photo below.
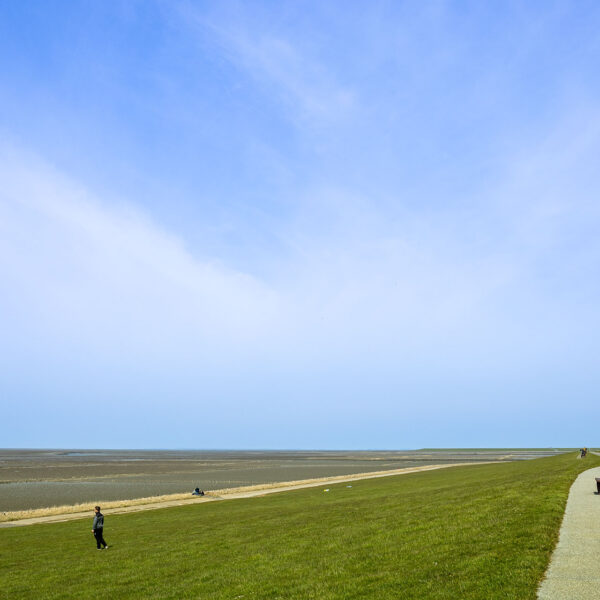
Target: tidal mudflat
<point x="43" y="478"/>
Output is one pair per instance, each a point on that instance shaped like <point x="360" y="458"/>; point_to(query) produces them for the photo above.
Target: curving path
<point x="574" y="571"/>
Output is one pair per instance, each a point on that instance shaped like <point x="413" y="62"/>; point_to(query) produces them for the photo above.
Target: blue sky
<point x="299" y="225"/>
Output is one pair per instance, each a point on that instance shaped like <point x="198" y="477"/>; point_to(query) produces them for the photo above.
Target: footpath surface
<point x="231" y="495"/>
<point x="574" y="572"/>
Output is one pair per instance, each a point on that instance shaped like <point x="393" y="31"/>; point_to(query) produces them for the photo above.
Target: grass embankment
<point x="475" y="532"/>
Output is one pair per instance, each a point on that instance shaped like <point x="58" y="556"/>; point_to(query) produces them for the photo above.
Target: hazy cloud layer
<point x="277" y="228"/>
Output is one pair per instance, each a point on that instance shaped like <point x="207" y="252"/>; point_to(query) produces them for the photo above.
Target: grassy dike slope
<point x="484" y="531"/>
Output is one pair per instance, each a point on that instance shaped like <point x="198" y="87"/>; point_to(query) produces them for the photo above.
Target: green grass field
<point x="476" y="532"/>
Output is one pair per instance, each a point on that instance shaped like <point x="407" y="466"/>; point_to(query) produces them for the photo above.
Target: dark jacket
<point x="98" y="521"/>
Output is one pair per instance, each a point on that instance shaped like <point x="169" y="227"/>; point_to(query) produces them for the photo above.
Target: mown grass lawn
<point x="476" y="532"/>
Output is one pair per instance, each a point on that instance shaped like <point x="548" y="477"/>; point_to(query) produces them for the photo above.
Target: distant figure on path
<point x="98" y="528"/>
<point x="198" y="492"/>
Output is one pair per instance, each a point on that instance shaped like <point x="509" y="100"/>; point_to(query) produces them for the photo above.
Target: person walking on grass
<point x="98" y="529"/>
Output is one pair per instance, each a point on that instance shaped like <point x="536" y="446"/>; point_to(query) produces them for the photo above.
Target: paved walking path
<point x="574" y="571"/>
<point x="226" y="495"/>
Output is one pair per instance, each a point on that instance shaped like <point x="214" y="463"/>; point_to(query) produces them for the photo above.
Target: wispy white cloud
<point x="496" y="298"/>
<point x="284" y="68"/>
<point x="86" y="274"/>
<point x="409" y="286"/>
<point x="92" y="278"/>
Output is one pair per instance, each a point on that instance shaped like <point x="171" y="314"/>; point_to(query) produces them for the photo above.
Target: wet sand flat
<point x="32" y="479"/>
<point x="233" y="494"/>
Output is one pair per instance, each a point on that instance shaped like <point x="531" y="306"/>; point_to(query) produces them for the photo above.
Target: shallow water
<point x="42" y="478"/>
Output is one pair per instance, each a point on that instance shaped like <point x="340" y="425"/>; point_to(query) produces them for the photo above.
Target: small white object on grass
<point x="348" y="486"/>
<point x="326" y="490"/>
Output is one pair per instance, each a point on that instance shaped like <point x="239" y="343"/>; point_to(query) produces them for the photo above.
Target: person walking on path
<point x="98" y="529"/>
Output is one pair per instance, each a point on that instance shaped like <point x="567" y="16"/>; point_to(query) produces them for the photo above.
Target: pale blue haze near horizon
<point x="299" y="224"/>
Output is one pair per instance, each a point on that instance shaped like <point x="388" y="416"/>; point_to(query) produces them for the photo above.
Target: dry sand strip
<point x="249" y="492"/>
<point x="573" y="572"/>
